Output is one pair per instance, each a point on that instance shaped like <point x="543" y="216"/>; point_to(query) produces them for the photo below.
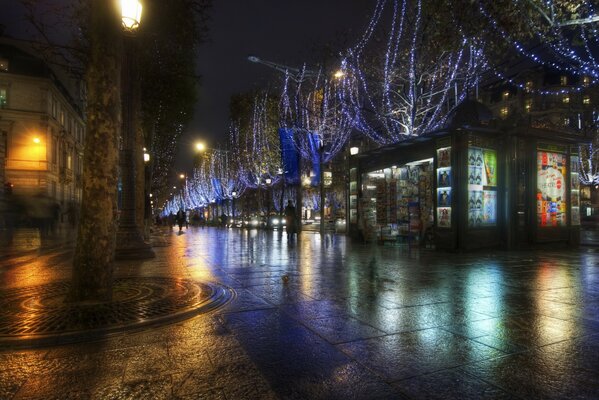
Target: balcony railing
<point x="27" y="165"/>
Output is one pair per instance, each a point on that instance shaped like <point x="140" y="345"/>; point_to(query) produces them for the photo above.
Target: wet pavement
<point x="333" y="319"/>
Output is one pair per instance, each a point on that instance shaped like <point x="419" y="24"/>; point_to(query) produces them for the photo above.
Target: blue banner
<point x="290" y="156"/>
<point x="314" y="141"/>
<point x="217" y="189"/>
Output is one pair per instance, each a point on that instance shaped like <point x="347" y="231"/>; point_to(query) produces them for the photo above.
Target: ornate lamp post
<point x="130" y="242"/>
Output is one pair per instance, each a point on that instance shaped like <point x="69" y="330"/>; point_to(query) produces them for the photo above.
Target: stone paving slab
<point x="348" y="322"/>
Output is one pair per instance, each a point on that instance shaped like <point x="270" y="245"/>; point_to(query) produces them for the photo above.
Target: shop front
<point x="468" y="189"/>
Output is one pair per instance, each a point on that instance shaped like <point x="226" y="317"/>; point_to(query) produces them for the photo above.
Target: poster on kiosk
<point x="551" y="189"/>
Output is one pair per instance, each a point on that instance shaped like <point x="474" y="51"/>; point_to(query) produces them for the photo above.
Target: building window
<point x="504" y="112"/>
<point x="505" y="95"/>
<point x="54" y="108"/>
<point x="563" y="80"/>
<point x="61" y="117"/>
<point x="3" y="97"/>
<point x="528" y="105"/>
<point x="54" y="151"/>
<point x="566" y="121"/>
<point x="3" y="64"/>
<point x="528" y="86"/>
<point x="586" y="100"/>
<point x="566" y="99"/>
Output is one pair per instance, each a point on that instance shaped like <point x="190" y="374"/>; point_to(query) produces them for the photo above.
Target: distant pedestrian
<point x="181" y="219"/>
<point x="290" y="220"/>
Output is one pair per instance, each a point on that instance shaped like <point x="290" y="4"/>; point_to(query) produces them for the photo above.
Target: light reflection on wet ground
<point x="337" y="320"/>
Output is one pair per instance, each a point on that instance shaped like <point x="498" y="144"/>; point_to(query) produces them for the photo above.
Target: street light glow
<point x="200" y="146"/>
<point x="36" y="140"/>
<point x="131" y="14"/>
<point x="339" y="74"/>
<point x="182" y="176"/>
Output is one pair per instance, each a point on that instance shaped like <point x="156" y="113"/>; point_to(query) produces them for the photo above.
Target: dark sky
<point x="282" y="31"/>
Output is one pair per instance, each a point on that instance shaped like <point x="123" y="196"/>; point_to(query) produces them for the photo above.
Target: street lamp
<point x="130" y="243"/>
<point x="233" y="196"/>
<point x="339" y="74"/>
<point x="200" y="146"/>
<point x="131" y="14"/>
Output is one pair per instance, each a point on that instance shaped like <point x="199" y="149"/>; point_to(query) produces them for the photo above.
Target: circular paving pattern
<point x="39" y="315"/>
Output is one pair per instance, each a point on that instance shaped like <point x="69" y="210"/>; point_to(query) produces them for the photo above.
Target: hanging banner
<point x="314" y="142"/>
<point x="290" y="156"/>
<point x="217" y="188"/>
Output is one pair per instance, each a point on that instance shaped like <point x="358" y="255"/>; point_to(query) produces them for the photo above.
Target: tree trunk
<point x="94" y="252"/>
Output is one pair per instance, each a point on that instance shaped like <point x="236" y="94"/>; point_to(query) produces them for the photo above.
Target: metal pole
<point x="320" y="156"/>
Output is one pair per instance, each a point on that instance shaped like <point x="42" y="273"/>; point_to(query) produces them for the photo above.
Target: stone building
<point x="41" y="127"/>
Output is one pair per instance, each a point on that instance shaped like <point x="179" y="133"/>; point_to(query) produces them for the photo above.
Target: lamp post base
<point x="130" y="245"/>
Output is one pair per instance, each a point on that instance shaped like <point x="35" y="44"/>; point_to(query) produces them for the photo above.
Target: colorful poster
<point x="443" y="177"/>
<point x="489" y="207"/>
<point x="444" y="157"/>
<point x="475" y="175"/>
<point x="444" y="197"/>
<point x="475" y="199"/>
<point x="482" y="183"/>
<point x="490" y="160"/>
<point x="551" y="189"/>
<point x="444" y="217"/>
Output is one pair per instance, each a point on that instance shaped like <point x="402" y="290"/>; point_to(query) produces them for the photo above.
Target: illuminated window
<point x="566" y="121"/>
<point x="566" y="99"/>
<point x="506" y="95"/>
<point x="586" y="81"/>
<point x="528" y="105"/>
<point x="586" y="100"/>
<point x="3" y="97"/>
<point x="504" y="111"/>
<point x="529" y="85"/>
<point x="3" y="64"/>
<point x="563" y="80"/>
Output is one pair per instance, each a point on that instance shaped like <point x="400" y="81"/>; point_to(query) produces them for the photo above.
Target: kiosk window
<point x="551" y="189"/>
<point x="482" y="187"/>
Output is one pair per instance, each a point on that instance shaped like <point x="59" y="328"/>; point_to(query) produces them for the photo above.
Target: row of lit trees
<point x="415" y="63"/>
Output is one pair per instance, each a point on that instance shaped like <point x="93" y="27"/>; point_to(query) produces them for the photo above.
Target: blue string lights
<point x="410" y="91"/>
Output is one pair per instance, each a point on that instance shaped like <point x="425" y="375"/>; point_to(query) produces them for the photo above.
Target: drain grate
<point x="39" y="315"/>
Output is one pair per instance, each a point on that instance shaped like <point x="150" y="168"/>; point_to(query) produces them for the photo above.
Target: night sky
<point x="281" y="31"/>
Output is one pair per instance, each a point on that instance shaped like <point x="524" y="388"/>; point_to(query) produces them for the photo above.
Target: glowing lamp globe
<point x="131" y="14"/>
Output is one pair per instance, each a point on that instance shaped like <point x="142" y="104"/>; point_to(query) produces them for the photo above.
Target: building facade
<point x="42" y="129"/>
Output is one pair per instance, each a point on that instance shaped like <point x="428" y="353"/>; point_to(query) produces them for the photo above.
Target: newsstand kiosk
<point x="472" y="187"/>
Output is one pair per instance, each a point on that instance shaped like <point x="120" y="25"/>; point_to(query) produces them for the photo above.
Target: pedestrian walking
<point x="290" y="220"/>
<point x="181" y="219"/>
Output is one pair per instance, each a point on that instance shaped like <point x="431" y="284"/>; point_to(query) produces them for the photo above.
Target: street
<point x="331" y="320"/>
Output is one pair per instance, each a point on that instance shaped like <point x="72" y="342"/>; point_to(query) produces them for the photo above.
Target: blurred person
<point x="290" y="220"/>
<point x="181" y="219"/>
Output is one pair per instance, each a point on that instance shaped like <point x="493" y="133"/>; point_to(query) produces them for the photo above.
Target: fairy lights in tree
<point x="256" y="148"/>
<point x="420" y="78"/>
<point x="560" y="34"/>
<point x="313" y="107"/>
